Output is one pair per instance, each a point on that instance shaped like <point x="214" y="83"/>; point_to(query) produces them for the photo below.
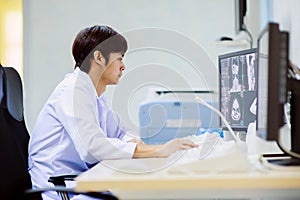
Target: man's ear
<point x="99" y="58"/>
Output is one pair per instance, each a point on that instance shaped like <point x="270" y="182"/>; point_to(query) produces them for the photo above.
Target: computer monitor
<point x="271" y="84"/>
<point x="238" y="84"/>
<point x="275" y="85"/>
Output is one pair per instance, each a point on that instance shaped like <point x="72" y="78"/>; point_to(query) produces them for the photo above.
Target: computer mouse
<point x="224" y="38"/>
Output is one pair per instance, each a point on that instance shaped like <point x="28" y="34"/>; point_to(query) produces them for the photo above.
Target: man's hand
<point x="175" y="145"/>
<point x="146" y="151"/>
<point x="136" y="141"/>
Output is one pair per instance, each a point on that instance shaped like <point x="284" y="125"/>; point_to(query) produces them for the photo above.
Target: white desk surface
<point x="159" y="179"/>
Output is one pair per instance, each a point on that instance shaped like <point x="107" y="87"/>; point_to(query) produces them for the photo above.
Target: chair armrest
<point x="60" y="180"/>
<point x="101" y="195"/>
<point x="61" y="189"/>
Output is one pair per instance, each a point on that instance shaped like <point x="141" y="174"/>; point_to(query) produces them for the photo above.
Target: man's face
<point x="114" y="69"/>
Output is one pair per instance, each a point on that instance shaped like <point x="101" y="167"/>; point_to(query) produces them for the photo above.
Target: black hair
<point x="101" y="38"/>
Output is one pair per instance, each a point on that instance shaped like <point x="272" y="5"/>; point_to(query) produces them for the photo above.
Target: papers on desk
<point x="232" y="160"/>
<point x="214" y="155"/>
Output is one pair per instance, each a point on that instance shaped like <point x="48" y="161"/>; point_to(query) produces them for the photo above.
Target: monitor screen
<point x="263" y="84"/>
<point x="238" y="84"/>
<point x="272" y="74"/>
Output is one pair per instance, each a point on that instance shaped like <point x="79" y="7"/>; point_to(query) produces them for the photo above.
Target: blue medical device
<point x="161" y="121"/>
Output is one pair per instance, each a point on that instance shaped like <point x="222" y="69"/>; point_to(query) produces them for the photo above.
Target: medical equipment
<point x="163" y="120"/>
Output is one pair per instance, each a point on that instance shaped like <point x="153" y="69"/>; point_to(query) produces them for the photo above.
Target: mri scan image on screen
<point x="238" y="84"/>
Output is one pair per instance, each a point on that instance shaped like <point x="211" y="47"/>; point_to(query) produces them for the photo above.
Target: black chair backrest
<point x="14" y="137"/>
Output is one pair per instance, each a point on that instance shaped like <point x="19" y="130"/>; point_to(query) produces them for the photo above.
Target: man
<point x="76" y="129"/>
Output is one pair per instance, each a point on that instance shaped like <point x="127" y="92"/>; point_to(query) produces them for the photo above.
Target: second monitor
<point x="238" y="85"/>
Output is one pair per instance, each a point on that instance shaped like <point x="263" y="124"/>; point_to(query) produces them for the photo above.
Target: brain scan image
<point x="238" y="85"/>
<point x="251" y="72"/>
<point x="236" y="111"/>
<point x="235" y="81"/>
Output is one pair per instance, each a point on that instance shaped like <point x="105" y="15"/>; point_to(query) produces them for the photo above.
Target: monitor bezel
<point x="225" y="56"/>
<point x="274" y="107"/>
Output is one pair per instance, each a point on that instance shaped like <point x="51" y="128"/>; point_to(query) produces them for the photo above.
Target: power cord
<point x="294" y="73"/>
<point x="242" y="146"/>
<point x="286" y="151"/>
<point x="249" y="34"/>
<point x="201" y="101"/>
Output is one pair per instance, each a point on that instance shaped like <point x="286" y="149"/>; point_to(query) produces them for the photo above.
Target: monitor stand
<point x="285" y="160"/>
<point x="280" y="161"/>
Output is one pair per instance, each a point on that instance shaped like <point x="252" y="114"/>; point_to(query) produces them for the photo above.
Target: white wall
<point x="172" y="44"/>
<point x="287" y="14"/>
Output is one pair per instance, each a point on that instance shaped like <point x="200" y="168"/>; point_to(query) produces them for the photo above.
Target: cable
<point x="287" y="152"/>
<point x="287" y="109"/>
<point x="294" y="71"/>
<point x="201" y="101"/>
<point x="249" y="34"/>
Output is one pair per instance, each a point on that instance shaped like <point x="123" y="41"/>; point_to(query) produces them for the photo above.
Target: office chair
<point x="15" y="182"/>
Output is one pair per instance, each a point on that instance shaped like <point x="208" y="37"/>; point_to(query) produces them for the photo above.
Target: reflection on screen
<point x="262" y="101"/>
<point x="238" y="84"/>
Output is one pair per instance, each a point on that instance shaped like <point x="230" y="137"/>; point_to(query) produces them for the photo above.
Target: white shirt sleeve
<point x="111" y="122"/>
<point x="77" y="111"/>
<point x="128" y="136"/>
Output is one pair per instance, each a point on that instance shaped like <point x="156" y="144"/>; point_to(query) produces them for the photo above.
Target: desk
<point x="168" y="182"/>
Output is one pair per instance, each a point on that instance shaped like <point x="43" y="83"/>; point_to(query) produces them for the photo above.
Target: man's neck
<point x="101" y="87"/>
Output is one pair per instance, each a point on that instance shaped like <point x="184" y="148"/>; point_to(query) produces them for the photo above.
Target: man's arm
<point x="146" y="151"/>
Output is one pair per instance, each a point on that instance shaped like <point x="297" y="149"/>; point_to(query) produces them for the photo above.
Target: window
<point x="11" y="34"/>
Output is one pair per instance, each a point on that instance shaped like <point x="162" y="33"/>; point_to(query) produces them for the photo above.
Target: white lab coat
<point x="75" y="130"/>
